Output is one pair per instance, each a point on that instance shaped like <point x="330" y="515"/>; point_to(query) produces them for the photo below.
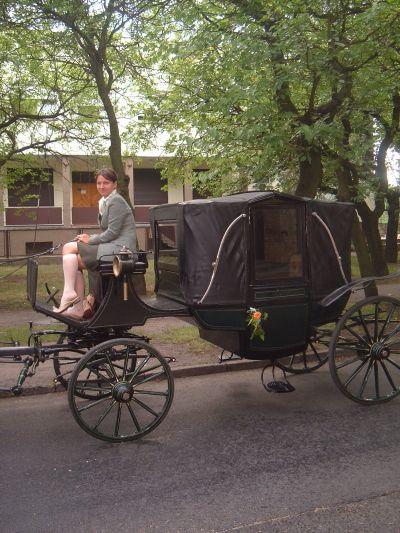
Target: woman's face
<point x="104" y="186"/>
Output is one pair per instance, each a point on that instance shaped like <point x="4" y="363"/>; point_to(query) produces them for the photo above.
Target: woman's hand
<point x="83" y="237"/>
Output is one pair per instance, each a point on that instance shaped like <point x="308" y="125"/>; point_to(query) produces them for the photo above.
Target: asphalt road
<point x="228" y="457"/>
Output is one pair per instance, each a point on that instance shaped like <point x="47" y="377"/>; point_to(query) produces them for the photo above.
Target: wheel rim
<point x="313" y="357"/>
<point x="364" y="354"/>
<point x="134" y="385"/>
<point x="65" y="362"/>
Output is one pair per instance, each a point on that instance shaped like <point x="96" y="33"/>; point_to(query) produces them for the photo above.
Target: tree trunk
<point x="369" y="221"/>
<point x="392" y="226"/>
<point x="358" y="237"/>
<point x="115" y="149"/>
<point x="363" y="256"/>
<point x="311" y="172"/>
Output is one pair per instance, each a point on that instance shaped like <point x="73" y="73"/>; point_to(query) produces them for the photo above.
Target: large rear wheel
<point x="311" y="358"/>
<point x="364" y="353"/>
<point x="134" y="387"/>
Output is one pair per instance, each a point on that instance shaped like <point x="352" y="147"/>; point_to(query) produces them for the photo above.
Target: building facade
<point x="49" y="200"/>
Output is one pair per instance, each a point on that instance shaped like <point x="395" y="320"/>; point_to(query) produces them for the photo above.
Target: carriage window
<point x="277" y="243"/>
<point x="167" y="244"/>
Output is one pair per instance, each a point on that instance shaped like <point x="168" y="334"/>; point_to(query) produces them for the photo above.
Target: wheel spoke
<point x="94" y="389"/>
<point x="389" y="377"/>
<point x="111" y="367"/>
<point x="118" y="420"/>
<point x="388" y="319"/>
<point x="146" y="407"/>
<point x="364" y="325"/>
<point x="102" y="417"/>
<point x="139" y="368"/>
<point x="151" y="393"/>
<point x="355" y="334"/>
<point x="133" y="416"/>
<point x="355" y="373"/>
<point x="353" y="347"/>
<point x="89" y="406"/>
<point x="149" y="378"/>
<point x="315" y="352"/>
<point x="291" y="361"/>
<point x="365" y="380"/>
<point x="125" y="363"/>
<point x="150" y="369"/>
<point x="391" y="334"/>
<point x="347" y="363"/>
<point x="376" y="322"/>
<point x="376" y="376"/>
<point x="101" y="376"/>
<point x="393" y="363"/>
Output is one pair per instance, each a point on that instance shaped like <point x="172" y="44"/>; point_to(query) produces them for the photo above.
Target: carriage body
<point x="215" y="260"/>
<point x="263" y="250"/>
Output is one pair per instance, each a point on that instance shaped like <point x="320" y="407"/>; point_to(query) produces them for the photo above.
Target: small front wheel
<point x="364" y="353"/>
<point x="135" y="390"/>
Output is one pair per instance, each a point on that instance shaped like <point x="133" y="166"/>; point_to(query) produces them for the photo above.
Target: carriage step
<point x="277" y="386"/>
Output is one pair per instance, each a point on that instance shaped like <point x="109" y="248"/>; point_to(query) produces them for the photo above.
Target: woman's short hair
<point x="107" y="173"/>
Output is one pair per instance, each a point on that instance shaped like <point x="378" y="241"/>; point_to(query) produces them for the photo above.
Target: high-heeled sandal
<point x="66" y="304"/>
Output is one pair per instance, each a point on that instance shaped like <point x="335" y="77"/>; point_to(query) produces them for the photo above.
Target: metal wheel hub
<point x="379" y="350"/>
<point x="122" y="392"/>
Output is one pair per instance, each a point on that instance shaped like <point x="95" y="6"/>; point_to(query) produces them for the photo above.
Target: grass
<point x="355" y="269"/>
<point x="188" y="335"/>
<point x="13" y="283"/>
<point x="22" y="333"/>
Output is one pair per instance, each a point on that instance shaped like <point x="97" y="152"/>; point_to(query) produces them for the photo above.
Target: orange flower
<point x="256" y="315"/>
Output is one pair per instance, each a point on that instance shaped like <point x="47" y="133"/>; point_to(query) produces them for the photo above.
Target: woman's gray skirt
<point x="88" y="253"/>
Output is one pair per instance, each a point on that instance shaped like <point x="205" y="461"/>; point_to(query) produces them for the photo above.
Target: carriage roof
<point x="201" y="225"/>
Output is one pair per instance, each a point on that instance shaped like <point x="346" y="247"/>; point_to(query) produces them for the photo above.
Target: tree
<point x="37" y="103"/>
<point x="279" y="92"/>
<point x="100" y="39"/>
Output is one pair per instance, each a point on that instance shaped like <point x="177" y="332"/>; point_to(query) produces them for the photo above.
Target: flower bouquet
<point x="255" y="318"/>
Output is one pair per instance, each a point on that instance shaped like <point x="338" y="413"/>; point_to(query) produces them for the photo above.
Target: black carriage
<point x="215" y="260"/>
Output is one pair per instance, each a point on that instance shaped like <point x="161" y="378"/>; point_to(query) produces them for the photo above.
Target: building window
<point x="30" y="187"/>
<point x="147" y="187"/>
<point x="37" y="247"/>
<point x="84" y="190"/>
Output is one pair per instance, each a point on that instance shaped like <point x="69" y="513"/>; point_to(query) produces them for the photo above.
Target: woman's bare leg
<point x="77" y="309"/>
<point x="71" y="269"/>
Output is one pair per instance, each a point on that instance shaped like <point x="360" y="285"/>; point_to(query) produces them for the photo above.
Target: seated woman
<point x="118" y="229"/>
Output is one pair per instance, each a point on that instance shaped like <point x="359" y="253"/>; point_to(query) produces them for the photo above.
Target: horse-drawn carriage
<point x="215" y="260"/>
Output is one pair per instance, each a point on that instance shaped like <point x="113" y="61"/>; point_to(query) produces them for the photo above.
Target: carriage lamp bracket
<point x="123" y="264"/>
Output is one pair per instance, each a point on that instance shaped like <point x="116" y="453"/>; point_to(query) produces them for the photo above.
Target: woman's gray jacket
<point x="118" y="228"/>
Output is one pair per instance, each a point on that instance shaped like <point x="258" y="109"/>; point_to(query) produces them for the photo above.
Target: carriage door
<point x="278" y="270"/>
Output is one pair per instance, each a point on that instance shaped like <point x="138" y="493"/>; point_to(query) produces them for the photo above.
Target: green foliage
<point x="253" y="88"/>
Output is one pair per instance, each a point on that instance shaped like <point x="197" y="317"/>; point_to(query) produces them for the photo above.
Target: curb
<point x="184" y="372"/>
